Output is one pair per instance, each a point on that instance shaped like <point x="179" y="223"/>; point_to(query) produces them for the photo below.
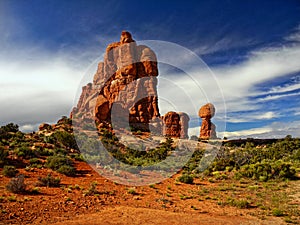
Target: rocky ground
<point x="169" y="202"/>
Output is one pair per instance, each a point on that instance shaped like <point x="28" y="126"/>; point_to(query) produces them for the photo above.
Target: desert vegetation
<point x="259" y="179"/>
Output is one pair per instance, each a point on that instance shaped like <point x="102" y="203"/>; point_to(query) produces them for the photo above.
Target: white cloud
<point x="285" y="88"/>
<point x="238" y="82"/>
<point x="37" y="90"/>
<point x="223" y="44"/>
<point x="28" y="127"/>
<point x="248" y="132"/>
<point x="273" y="130"/>
<point x="252" y="117"/>
<point x="274" y="97"/>
<point x="295" y="36"/>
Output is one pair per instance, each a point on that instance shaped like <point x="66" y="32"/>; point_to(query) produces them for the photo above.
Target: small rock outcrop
<point x="208" y="129"/>
<point x="44" y="126"/>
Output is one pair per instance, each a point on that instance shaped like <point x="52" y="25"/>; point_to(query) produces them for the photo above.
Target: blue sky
<point x="252" y="48"/>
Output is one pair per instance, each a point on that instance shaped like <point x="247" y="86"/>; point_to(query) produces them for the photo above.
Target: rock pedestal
<point x="208" y="129"/>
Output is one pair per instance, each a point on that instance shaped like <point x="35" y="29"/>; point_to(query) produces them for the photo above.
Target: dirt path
<point x="135" y="216"/>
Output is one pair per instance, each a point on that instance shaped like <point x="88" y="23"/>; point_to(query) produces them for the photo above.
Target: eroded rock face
<point x="175" y="125"/>
<point x="127" y="79"/>
<point x="208" y="129"/>
<point x="184" y="124"/>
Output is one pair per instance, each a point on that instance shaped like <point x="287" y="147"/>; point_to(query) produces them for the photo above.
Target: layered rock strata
<point x="124" y="88"/>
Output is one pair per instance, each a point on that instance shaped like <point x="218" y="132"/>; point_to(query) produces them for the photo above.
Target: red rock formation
<point x="126" y="77"/>
<point x="208" y="129"/>
<point x="184" y="124"/>
<point x="171" y="127"/>
<point x="176" y="125"/>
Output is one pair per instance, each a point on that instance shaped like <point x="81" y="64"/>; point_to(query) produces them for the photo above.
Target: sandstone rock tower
<point x="124" y="94"/>
<point x="208" y="129"/>
<point x="176" y="125"/>
<point x="124" y="85"/>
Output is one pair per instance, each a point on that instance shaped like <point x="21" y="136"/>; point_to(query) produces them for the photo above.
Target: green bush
<point x="49" y="181"/>
<point x="239" y="203"/>
<point x="25" y="152"/>
<point x="186" y="178"/>
<point x="77" y="157"/>
<point x="67" y="170"/>
<point x="11" y="127"/>
<point x="56" y="161"/>
<point x="9" y="171"/>
<point x="16" y="184"/>
<point x="45" y="152"/>
<point x="3" y="154"/>
<point x="35" y="161"/>
<point x="266" y="170"/>
<point x="92" y="189"/>
<point x="277" y="212"/>
<point x="65" y="138"/>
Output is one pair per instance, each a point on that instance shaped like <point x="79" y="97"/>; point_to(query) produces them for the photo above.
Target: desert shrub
<point x="296" y="155"/>
<point x="194" y="161"/>
<point x="9" y="171"/>
<point x="11" y="127"/>
<point x="92" y="189"/>
<point x="132" y="191"/>
<point x="65" y="120"/>
<point x="45" y="152"/>
<point x="8" y="131"/>
<point x="277" y="212"/>
<point x="77" y="157"/>
<point x="16" y="184"/>
<point x="35" y="161"/>
<point x="266" y="170"/>
<point x="65" y="138"/>
<point x="25" y="152"/>
<point x="3" y="154"/>
<point x="56" y="161"/>
<point x="67" y="170"/>
<point x="186" y="178"/>
<point x="239" y="203"/>
<point x="60" y="151"/>
<point x="49" y="181"/>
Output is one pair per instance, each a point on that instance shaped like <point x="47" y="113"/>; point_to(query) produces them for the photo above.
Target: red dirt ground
<point x="158" y="204"/>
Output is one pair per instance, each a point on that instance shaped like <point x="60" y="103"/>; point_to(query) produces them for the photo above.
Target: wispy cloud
<point x="286" y="88"/>
<point x="273" y="130"/>
<point x="252" y="116"/>
<point x="295" y="36"/>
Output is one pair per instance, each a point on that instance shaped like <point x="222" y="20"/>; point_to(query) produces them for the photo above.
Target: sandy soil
<point x="159" y="204"/>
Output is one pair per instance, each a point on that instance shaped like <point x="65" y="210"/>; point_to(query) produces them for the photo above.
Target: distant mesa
<point x="124" y="94"/>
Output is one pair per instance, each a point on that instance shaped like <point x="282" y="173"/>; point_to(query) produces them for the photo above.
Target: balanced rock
<point x="208" y="129"/>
